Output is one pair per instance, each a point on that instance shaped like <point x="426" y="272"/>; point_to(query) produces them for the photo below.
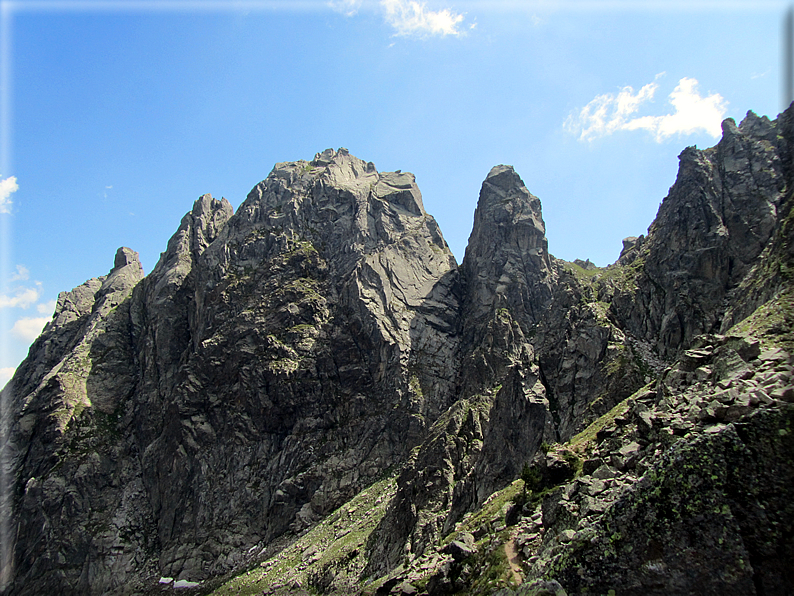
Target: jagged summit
<point x="310" y="389"/>
<point x="343" y="171"/>
<point x="507" y="264"/>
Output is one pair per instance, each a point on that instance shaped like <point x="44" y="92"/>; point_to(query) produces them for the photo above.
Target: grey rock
<point x="459" y="550"/>
<point x="604" y="472"/>
<point x="591" y="465"/>
<point x="774" y="355"/>
<point x="280" y="359"/>
<point x="630" y="449"/>
<point x="507" y="264"/>
<point x="783" y="393"/>
<point x="566" y="536"/>
<point x="586" y="264"/>
<point x="596" y="487"/>
<point x="234" y="414"/>
<point x="541" y="588"/>
<point x="717" y="218"/>
<point x="650" y="550"/>
<point x="407" y="589"/>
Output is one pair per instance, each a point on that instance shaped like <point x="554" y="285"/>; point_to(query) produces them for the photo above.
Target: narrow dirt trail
<point x="512" y="560"/>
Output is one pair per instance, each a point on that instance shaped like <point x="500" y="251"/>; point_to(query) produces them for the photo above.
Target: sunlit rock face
<point x="280" y="360"/>
<point x="274" y="362"/>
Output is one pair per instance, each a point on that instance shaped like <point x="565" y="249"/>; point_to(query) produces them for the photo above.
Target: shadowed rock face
<point x="319" y="334"/>
<point x="502" y="414"/>
<point x="719" y="216"/>
<point x="280" y="359"/>
<point x="81" y="368"/>
<point x="273" y="363"/>
<point x="507" y="263"/>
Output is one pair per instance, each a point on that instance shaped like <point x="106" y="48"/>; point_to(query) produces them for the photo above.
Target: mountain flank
<point x="310" y="396"/>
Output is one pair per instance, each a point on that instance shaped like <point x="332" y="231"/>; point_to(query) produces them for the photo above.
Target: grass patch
<point x="581" y="441"/>
<point x="489" y="512"/>
<point x="338" y="540"/>
<point x="772" y="323"/>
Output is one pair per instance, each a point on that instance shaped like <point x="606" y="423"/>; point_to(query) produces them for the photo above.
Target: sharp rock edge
<point x="311" y="390"/>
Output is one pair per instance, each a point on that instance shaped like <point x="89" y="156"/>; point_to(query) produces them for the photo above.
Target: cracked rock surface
<point x="309" y="395"/>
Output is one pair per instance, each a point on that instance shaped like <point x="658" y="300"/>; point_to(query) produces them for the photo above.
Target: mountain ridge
<point x="281" y="360"/>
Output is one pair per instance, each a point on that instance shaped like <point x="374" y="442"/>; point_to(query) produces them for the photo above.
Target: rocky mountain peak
<point x="127" y="271"/>
<point x="337" y="201"/>
<point x="310" y="389"/>
<point x="124" y="257"/>
<point x="507" y="263"/>
<point x="717" y="219"/>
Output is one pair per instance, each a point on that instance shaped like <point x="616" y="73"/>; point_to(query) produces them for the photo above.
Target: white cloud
<point x="7" y="187"/>
<point x="29" y="328"/>
<point x="47" y="308"/>
<point x="5" y="375"/>
<point x="608" y="113"/>
<point x="410" y="17"/>
<point x="347" y="7"/>
<point x="22" y="274"/>
<point x="23" y="298"/>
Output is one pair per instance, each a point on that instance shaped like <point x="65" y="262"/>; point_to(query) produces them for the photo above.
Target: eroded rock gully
<point x="312" y="389"/>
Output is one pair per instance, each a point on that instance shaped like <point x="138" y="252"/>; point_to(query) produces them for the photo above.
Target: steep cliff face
<point x="309" y="366"/>
<point x="72" y="467"/>
<point x="501" y="415"/>
<point x="720" y="215"/>
<point x="320" y="347"/>
<point x="273" y="363"/>
<point x="507" y="262"/>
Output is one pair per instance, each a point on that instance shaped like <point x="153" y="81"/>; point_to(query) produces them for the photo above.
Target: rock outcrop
<point x="274" y="363"/>
<point x="72" y="468"/>
<point x="720" y="215"/>
<point x="501" y="414"/>
<point x="313" y="385"/>
<point x="507" y="263"/>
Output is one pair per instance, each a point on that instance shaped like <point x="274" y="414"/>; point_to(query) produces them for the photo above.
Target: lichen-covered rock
<point x="714" y="516"/>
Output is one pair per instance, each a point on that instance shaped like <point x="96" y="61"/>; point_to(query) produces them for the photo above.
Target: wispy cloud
<point x="47" y="307"/>
<point x="610" y="112"/>
<point x="22" y="274"/>
<point x="8" y="186"/>
<point x="410" y="17"/>
<point x="22" y="298"/>
<point x="5" y="375"/>
<point x="346" y="7"/>
<point x="29" y="328"/>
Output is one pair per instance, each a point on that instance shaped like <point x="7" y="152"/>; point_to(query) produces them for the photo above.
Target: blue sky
<point x="116" y="115"/>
